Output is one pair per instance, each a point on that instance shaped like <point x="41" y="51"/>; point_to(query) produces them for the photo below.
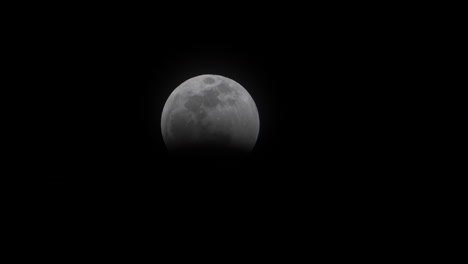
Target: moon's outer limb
<point x="210" y="111"/>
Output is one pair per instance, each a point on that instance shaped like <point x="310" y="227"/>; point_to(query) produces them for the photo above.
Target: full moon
<point x="210" y="113"/>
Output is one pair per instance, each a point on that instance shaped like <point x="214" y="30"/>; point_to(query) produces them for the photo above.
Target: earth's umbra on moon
<point x="210" y="113"/>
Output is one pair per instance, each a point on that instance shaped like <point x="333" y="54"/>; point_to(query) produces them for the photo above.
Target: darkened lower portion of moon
<point x="210" y="113"/>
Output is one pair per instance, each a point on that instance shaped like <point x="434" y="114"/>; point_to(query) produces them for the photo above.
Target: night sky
<point x="352" y="160"/>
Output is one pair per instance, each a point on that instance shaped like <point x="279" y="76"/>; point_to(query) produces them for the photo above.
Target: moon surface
<point x="210" y="113"/>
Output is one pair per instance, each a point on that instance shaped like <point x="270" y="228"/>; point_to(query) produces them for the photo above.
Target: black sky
<point x="356" y="114"/>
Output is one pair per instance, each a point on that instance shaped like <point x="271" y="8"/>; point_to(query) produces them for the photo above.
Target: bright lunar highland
<point x="210" y="113"/>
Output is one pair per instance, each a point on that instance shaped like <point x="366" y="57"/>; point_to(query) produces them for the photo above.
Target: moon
<point x="210" y="113"/>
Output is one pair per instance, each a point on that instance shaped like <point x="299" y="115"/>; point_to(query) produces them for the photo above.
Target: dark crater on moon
<point x="208" y="80"/>
<point x="225" y="88"/>
<point x="231" y="101"/>
<point x="209" y="98"/>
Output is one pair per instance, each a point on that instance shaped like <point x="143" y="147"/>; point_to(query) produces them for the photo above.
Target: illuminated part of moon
<point x="210" y="112"/>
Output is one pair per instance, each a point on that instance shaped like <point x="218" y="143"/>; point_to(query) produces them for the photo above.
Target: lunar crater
<point x="231" y="101"/>
<point x="225" y="88"/>
<point x="209" y="80"/>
